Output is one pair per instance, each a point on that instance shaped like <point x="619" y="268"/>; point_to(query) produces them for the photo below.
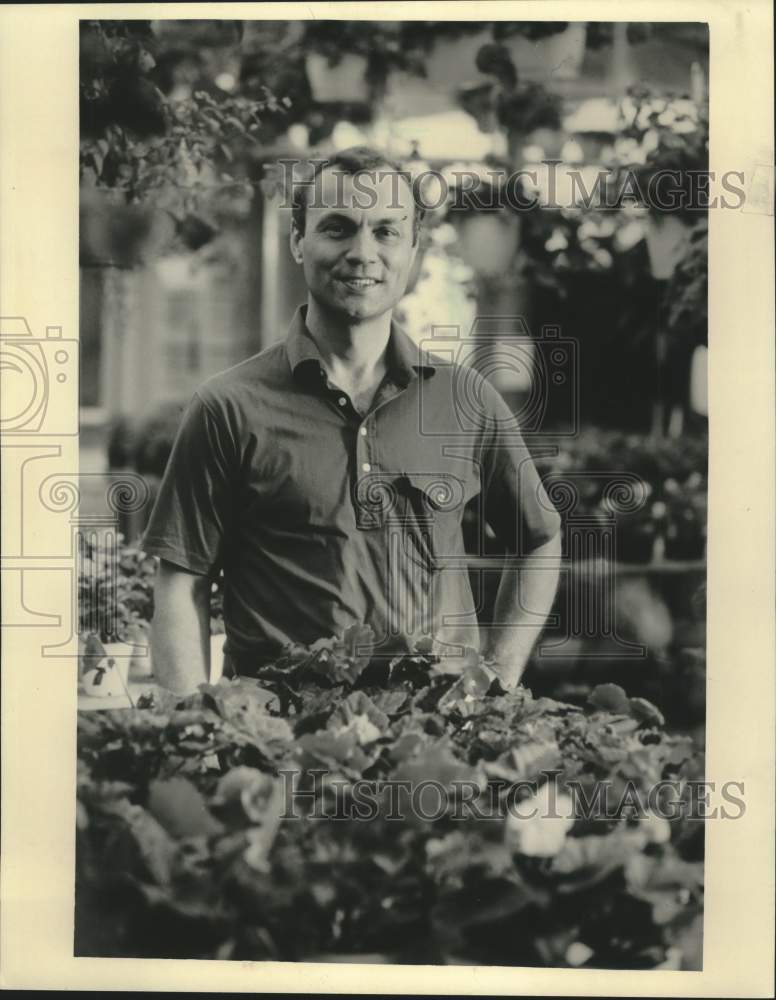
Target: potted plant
<point x="663" y="146"/>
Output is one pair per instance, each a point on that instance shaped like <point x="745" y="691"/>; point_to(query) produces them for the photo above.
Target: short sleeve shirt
<point x="322" y="517"/>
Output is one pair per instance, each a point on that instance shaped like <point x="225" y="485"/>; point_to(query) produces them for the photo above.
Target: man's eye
<point x="385" y="231"/>
<point x="333" y="229"/>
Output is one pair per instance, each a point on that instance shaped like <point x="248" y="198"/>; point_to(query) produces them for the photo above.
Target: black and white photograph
<point x="388" y="547"/>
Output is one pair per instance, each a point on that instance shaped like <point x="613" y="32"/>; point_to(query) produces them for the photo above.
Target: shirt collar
<point x="405" y="359"/>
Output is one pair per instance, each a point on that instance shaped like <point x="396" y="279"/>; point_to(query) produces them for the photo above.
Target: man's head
<point x="355" y="228"/>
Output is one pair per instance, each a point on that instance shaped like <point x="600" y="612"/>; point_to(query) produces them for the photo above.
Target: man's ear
<point x="296" y="243"/>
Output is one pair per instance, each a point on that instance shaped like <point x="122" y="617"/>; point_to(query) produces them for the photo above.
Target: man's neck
<point x="354" y="354"/>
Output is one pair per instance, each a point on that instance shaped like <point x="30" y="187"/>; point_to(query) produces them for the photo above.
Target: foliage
<point x="143" y="146"/>
<point x="687" y="294"/>
<point x="144" y="443"/>
<point x="664" y="145"/>
<point x="670" y="491"/>
<point x="190" y="846"/>
<point x="116" y="591"/>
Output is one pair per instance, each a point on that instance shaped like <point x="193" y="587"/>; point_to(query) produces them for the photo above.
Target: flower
<point x="657" y="828"/>
<point x="538" y="825"/>
<point x="557" y="241"/>
<point x="578" y="953"/>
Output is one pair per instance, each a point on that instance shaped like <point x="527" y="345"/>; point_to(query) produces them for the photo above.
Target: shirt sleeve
<point x="192" y="509"/>
<point x="515" y="503"/>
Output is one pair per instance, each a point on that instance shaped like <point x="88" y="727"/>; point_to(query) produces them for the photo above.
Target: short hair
<point x="352" y="161"/>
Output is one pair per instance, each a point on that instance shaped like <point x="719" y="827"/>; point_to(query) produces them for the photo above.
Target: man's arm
<point x="523" y="602"/>
<point x="180" y="632"/>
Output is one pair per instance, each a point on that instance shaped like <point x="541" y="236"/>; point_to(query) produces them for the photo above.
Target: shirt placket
<point x="365" y="460"/>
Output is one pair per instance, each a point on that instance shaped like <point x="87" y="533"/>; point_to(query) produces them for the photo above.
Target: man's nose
<point x="361" y="247"/>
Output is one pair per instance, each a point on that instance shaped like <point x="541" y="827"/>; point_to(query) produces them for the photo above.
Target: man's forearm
<point x="523" y="602"/>
<point x="180" y="631"/>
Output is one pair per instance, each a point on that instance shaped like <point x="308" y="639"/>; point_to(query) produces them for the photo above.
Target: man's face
<point x="357" y="248"/>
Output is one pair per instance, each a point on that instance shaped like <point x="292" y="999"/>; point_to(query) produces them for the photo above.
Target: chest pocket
<point x="428" y="512"/>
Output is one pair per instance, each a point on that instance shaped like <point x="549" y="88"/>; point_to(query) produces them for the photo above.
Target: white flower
<point x="682" y="126"/>
<point x="578" y="953"/>
<point x="596" y="227"/>
<point x="657" y="828"/>
<point x="628" y="236"/>
<point x="557" y="241"/>
<point x="444" y="235"/>
<point x="538" y="825"/>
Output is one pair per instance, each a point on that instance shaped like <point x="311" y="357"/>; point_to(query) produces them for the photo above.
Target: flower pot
<point x="343" y="82"/>
<point x="667" y="242"/>
<point x="107" y="676"/>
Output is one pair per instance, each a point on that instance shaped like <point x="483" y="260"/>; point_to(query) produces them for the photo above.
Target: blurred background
<point x="185" y="270"/>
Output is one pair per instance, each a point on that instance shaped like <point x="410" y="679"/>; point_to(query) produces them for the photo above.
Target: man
<point x="328" y="474"/>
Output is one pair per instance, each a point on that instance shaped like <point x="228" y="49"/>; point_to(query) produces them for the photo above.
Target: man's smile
<point x="359" y="284"/>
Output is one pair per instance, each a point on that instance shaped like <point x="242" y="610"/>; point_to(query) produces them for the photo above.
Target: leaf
<point x="609" y="698"/>
<point x="645" y="712"/>
<point x="180" y="809"/>
<point x="343" y="660"/>
<point x="140" y="844"/>
<point x="584" y="861"/>
<point x="525" y="762"/>
<point x="412" y="671"/>
<point x="261" y="838"/>
<point x="359" y="711"/>
<point x="243" y="703"/>
<point x="244" y="795"/>
<point x="389" y="702"/>
<point x="439" y="764"/>
<point x="496" y="899"/>
<point x="340" y="752"/>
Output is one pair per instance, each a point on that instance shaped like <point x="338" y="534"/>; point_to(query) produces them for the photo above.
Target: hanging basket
<point x="555" y="57"/>
<point x="124" y="236"/>
<point x="667" y="242"/>
<point x="488" y="241"/>
<point x="344" y="82"/>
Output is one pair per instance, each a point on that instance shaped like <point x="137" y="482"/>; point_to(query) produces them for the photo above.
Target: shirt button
<point x="366" y="467"/>
<point x="342" y="401"/>
<point x="363" y="432"/>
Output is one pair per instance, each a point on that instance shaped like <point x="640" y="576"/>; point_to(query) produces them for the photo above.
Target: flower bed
<point x="203" y="831"/>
